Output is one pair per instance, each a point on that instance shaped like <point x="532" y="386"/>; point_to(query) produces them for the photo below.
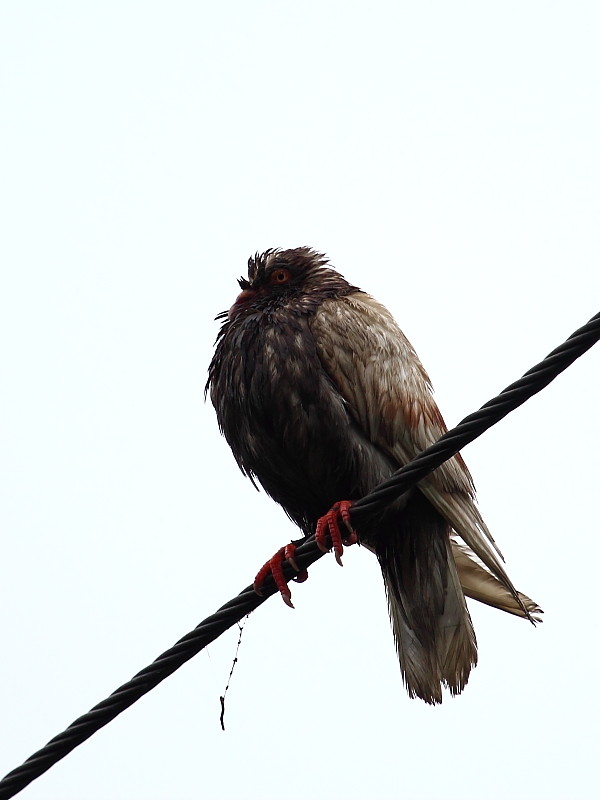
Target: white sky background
<point x="446" y="157"/>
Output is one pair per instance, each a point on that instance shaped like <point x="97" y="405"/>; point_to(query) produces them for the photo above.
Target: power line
<point x="247" y="601"/>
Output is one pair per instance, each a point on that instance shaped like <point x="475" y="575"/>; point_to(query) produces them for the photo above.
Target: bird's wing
<point x="376" y="370"/>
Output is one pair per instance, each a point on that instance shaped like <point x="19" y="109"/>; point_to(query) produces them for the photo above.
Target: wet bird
<point x="321" y="397"/>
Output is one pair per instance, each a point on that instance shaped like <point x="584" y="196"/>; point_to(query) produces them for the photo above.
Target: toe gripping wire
<point x="307" y="553"/>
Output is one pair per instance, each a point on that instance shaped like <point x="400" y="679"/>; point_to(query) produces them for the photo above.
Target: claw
<point x="274" y="567"/>
<point x="329" y="524"/>
<point x="288" y="553"/>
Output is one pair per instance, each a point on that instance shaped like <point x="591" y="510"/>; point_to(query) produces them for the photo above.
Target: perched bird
<point x="321" y="397"/>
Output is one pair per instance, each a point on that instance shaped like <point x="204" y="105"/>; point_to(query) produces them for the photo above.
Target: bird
<point x="321" y="397"/>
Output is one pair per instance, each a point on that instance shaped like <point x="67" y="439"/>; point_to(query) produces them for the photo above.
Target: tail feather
<point x="432" y="627"/>
<point x="420" y="672"/>
<point x="459" y="634"/>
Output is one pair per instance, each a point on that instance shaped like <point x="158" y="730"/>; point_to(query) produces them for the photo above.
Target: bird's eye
<point x="280" y="276"/>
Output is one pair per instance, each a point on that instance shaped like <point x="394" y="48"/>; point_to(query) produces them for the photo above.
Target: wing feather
<point x="389" y="394"/>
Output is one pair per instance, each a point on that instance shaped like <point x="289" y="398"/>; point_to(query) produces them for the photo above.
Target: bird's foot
<point x="274" y="567"/>
<point x="328" y="534"/>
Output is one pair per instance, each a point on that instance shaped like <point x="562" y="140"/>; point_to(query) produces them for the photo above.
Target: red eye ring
<point x="280" y="276"/>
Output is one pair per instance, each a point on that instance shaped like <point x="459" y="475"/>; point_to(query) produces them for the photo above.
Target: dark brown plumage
<point x="321" y="397"/>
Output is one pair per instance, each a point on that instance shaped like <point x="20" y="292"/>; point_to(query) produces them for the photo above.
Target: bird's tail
<point x="432" y="626"/>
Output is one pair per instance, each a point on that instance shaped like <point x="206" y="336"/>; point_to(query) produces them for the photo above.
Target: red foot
<point x="330" y="524"/>
<point x="327" y="535"/>
<point x="274" y="566"/>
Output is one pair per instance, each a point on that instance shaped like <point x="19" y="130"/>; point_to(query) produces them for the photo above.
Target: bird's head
<point x="276" y="277"/>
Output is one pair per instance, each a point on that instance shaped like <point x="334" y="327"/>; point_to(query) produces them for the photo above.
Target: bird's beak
<point x="243" y="299"/>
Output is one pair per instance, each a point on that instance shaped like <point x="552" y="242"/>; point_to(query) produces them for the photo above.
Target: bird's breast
<point x="284" y="419"/>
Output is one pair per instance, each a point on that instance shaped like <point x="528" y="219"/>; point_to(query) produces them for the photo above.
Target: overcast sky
<point x="446" y="155"/>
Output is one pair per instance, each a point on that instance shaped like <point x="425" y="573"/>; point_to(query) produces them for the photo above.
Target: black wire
<point x="212" y="627"/>
<point x="468" y="429"/>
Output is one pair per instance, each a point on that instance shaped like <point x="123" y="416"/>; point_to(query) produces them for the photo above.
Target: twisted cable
<point x="536" y="379"/>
